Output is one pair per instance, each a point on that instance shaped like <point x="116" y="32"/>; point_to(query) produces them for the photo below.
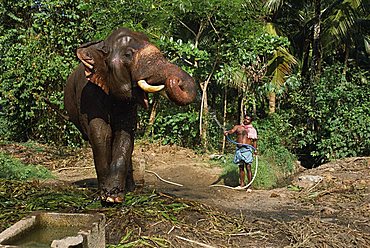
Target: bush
<point x="331" y="119"/>
<point x="343" y="113"/>
<point x="275" y="143"/>
<point x="38" y="42"/>
<point x="179" y="128"/>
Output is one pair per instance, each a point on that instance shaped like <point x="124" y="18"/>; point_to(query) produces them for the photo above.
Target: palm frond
<point x="238" y="78"/>
<point x="340" y="23"/>
<point x="233" y="76"/>
<point x="367" y="44"/>
<point x="280" y="66"/>
<point x="273" y="5"/>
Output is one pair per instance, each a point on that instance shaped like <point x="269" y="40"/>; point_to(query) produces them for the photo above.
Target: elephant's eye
<point x="128" y="55"/>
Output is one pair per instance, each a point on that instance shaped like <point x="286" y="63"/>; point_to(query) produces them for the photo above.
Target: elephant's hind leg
<point x="130" y="182"/>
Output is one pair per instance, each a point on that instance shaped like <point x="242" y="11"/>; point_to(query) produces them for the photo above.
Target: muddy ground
<point x="328" y="206"/>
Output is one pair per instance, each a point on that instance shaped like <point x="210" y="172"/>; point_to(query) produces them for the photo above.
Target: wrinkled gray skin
<point x="101" y="98"/>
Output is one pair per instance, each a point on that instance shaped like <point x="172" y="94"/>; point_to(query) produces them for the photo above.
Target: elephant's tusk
<point x="149" y="88"/>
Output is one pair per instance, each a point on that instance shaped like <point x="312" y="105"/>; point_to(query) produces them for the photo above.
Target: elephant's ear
<point x="93" y="55"/>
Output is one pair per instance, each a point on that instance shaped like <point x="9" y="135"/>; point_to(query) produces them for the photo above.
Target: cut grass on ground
<point x="13" y="169"/>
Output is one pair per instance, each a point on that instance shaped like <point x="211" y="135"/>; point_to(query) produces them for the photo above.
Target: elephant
<point x="102" y="95"/>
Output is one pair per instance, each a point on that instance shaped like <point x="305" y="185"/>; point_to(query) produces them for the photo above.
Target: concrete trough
<point x="57" y="230"/>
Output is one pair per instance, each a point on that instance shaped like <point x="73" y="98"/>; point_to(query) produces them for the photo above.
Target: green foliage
<point x="275" y="142"/>
<point x="268" y="175"/>
<point x="343" y="113"/>
<point x="37" y="56"/>
<point x="336" y="123"/>
<point x="11" y="168"/>
<point x="184" y="54"/>
<point x="3" y="125"/>
<point x="179" y="128"/>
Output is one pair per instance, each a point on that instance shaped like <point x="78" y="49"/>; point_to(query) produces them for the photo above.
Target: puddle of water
<point x="42" y="236"/>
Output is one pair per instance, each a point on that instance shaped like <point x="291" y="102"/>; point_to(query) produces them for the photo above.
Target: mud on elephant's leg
<point x="130" y="182"/>
<point x="120" y="167"/>
<point x="100" y="137"/>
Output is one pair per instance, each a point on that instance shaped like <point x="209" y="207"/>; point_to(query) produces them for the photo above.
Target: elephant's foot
<point x="130" y="185"/>
<point x="114" y="196"/>
<point x="112" y="199"/>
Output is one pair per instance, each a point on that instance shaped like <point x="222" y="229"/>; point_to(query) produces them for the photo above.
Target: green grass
<point x="267" y="174"/>
<point x="13" y="169"/>
<point x="266" y="178"/>
<point x="34" y="146"/>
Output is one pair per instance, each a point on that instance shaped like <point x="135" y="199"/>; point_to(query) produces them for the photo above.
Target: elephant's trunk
<point x="180" y="87"/>
<point x="151" y="69"/>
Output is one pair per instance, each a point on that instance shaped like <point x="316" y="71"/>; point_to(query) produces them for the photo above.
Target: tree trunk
<point x="346" y="57"/>
<point x="240" y="104"/>
<point x="254" y="105"/>
<point x="316" y="45"/>
<point x="153" y="114"/>
<point x="316" y="55"/>
<point x="203" y="116"/>
<point x="272" y="102"/>
<point x="242" y="110"/>
<point x="203" y="120"/>
<point x="305" y="62"/>
<point x="224" y="121"/>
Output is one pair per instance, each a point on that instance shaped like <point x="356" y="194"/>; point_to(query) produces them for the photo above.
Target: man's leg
<point x="249" y="172"/>
<point x="241" y="174"/>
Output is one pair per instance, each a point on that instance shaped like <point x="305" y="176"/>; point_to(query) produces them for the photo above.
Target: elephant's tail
<point x="55" y="108"/>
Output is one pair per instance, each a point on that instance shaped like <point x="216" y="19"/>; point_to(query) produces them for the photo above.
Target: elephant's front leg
<point x="120" y="167"/>
<point x="100" y="137"/>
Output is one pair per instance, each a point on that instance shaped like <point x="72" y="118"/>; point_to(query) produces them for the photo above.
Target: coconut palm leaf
<point x="273" y="5"/>
<point x="339" y="23"/>
<point x="280" y="65"/>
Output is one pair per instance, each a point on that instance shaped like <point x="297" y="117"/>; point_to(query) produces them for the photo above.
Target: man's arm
<point x="231" y="131"/>
<point x="255" y="146"/>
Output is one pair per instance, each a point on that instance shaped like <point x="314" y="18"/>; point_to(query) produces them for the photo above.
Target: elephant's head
<point x="127" y="66"/>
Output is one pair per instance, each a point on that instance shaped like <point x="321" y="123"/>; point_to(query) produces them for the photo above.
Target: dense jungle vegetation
<point x="300" y="68"/>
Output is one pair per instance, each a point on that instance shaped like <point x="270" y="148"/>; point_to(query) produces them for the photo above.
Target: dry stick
<point x="245" y="234"/>
<point x="73" y="168"/>
<point x="172" y="228"/>
<point x="195" y="242"/>
<point x="163" y="180"/>
<point x="310" y="189"/>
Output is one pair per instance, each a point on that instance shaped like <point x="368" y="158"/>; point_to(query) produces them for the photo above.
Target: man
<point x="247" y="145"/>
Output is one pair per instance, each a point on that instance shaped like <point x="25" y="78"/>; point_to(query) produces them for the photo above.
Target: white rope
<point x="163" y="180"/>
<point x="238" y="187"/>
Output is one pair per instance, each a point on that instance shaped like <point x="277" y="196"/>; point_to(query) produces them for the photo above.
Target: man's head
<point x="247" y="120"/>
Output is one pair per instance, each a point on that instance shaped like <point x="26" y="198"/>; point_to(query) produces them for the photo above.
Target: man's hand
<point x="226" y="133"/>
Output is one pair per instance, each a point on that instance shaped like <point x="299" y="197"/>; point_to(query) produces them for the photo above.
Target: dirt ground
<point x="328" y="206"/>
